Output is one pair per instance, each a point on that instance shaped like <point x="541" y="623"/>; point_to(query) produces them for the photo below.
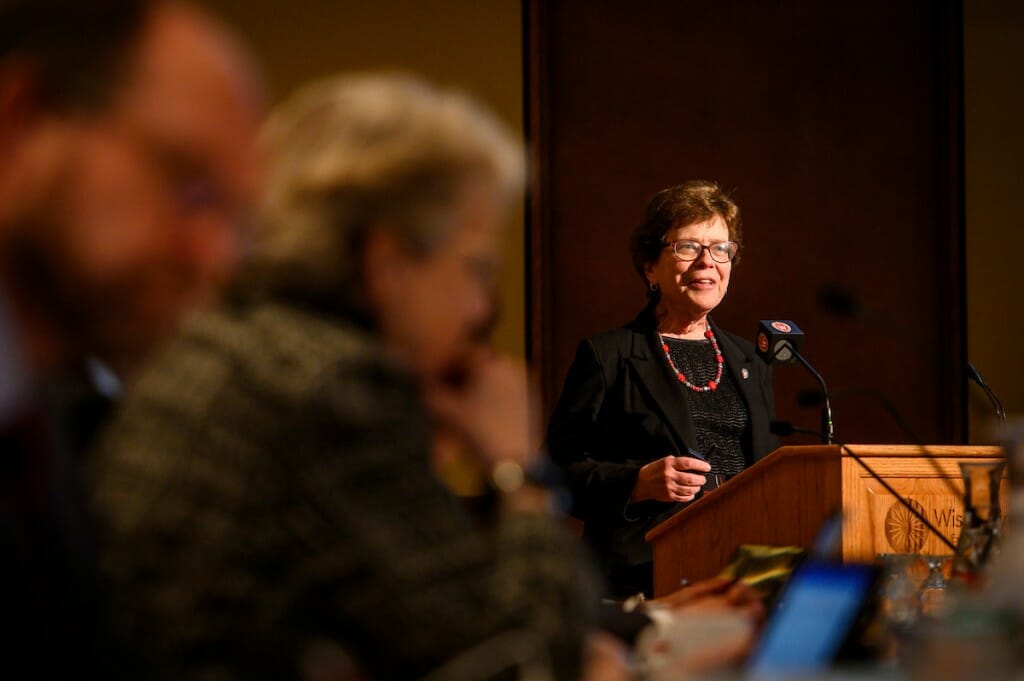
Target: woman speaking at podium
<point x="651" y="409"/>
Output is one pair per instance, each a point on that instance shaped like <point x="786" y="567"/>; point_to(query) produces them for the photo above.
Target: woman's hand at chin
<point x="488" y="402"/>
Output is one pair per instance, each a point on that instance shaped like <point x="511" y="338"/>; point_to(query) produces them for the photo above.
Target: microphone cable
<point x="786" y="428"/>
<point x="813" y="398"/>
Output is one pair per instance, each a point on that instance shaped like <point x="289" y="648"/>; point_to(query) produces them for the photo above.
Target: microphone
<point x="783" y="428"/>
<point x="779" y="340"/>
<point x="997" y="404"/>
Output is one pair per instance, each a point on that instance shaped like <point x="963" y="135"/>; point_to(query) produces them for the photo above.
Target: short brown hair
<point x="678" y="206"/>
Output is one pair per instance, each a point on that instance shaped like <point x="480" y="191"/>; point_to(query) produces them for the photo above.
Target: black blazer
<point x="622" y="407"/>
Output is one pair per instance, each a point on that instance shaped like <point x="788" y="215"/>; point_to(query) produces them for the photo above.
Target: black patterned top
<point x="719" y="416"/>
<point x="268" y="494"/>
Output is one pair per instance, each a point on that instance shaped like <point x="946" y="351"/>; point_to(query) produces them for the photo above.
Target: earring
<point x="654" y="286"/>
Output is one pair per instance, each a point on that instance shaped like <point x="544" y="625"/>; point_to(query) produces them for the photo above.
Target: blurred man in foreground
<point x="126" y="167"/>
<point x="127" y="172"/>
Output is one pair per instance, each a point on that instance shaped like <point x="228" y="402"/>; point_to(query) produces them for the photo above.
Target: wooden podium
<point x="783" y="499"/>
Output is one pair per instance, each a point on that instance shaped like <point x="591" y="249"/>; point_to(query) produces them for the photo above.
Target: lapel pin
<point x="744" y="373"/>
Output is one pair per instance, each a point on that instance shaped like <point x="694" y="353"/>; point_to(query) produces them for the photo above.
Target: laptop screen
<point x="817" y="610"/>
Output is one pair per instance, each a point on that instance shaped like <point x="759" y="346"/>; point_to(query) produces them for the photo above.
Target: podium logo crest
<point x="904" y="530"/>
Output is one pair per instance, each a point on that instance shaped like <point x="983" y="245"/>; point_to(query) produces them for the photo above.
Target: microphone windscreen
<point x="778" y="340"/>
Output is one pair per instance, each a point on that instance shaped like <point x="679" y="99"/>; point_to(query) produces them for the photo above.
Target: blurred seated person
<point x="267" y="483"/>
<point x="128" y="172"/>
<point x="649" y="408"/>
<point x="128" y="175"/>
<point x="126" y="132"/>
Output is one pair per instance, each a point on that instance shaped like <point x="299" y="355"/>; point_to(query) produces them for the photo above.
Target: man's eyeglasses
<point x="687" y="250"/>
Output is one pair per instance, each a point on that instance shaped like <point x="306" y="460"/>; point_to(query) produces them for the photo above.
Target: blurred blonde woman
<point x="267" y="486"/>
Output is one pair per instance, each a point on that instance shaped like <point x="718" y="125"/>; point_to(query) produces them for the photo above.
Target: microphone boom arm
<point x="827" y="428"/>
<point x="997" y="404"/>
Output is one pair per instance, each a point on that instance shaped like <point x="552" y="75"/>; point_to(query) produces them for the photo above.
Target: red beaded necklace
<point x="713" y="384"/>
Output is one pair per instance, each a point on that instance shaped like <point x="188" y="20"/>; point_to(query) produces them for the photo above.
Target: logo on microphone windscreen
<point x="778" y="340"/>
